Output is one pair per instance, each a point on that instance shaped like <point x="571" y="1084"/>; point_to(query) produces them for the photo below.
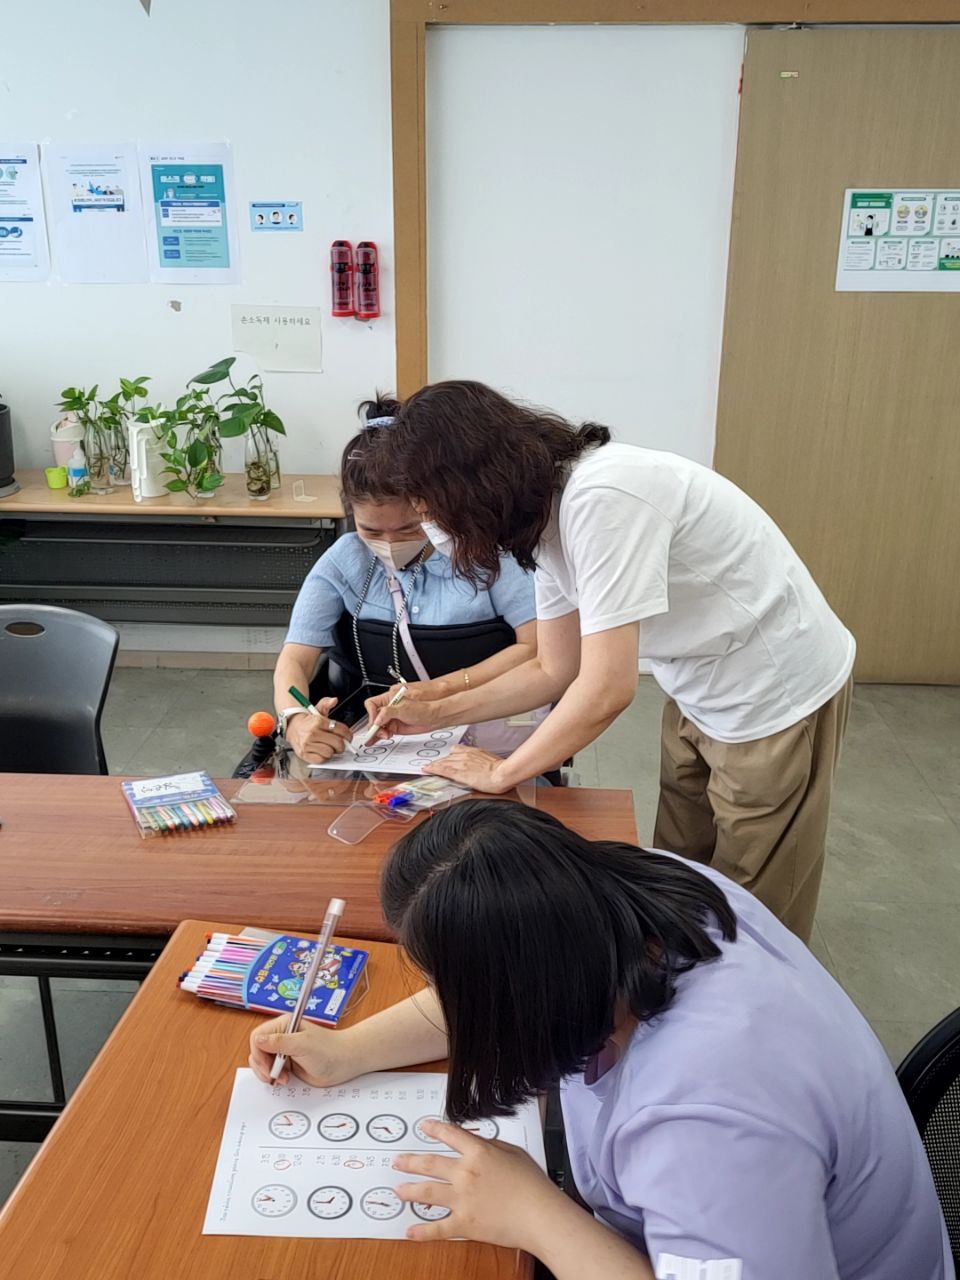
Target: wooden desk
<point x="231" y="499"/>
<point x="120" y="1188"/>
<point x="71" y="860"/>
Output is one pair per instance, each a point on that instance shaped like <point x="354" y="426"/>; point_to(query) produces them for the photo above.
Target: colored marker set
<point x="184" y="802"/>
<point x="425" y="793"/>
<point x="246" y="972"/>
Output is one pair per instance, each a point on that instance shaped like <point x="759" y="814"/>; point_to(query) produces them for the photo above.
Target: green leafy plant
<point x="243" y="412"/>
<point x="106" y="439"/>
<point x="192" y="450"/>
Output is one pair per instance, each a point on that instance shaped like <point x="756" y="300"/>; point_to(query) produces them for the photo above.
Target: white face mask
<point x="442" y="541"/>
<point x="396" y="555"/>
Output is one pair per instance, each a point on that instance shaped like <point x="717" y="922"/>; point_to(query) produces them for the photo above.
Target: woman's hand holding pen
<point x="413" y="713"/>
<point x="317" y="738"/>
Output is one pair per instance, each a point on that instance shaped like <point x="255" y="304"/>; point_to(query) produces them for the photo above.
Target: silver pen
<point x="330" y="921"/>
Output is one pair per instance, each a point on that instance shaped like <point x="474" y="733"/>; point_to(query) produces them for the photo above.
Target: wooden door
<point x="840" y="412"/>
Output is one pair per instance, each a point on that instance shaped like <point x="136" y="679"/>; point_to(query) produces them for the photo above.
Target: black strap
<point x="442" y="649"/>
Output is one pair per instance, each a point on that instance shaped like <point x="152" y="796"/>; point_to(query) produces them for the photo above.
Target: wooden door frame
<point x="409" y="20"/>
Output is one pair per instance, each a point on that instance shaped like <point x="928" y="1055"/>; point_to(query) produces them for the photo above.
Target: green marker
<point x="305" y="702"/>
<point x="307" y="705"/>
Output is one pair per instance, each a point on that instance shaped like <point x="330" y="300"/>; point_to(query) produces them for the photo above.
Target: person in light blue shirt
<point x="387" y="571"/>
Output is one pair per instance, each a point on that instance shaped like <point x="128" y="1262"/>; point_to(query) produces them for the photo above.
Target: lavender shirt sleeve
<point x="714" y="1183"/>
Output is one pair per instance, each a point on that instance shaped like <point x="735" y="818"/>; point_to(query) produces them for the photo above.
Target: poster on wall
<point x="905" y="241"/>
<point x="96" y="219"/>
<point x="24" y="252"/>
<point x="276" y="215"/>
<point x="192" y="232"/>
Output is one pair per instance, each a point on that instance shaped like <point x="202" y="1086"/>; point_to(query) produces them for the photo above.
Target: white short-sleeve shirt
<point x="736" y="630"/>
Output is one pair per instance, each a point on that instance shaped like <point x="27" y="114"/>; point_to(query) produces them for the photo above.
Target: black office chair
<point x="930" y="1078"/>
<point x="55" y="669"/>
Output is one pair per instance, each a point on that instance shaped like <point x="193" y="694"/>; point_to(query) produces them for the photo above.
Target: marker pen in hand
<point x="330" y="921"/>
<point x="308" y="706"/>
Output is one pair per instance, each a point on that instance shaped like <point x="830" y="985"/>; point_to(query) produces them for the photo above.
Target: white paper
<point x="317" y="1163"/>
<point x="96" y="217"/>
<point x="899" y="241"/>
<point x="24" y="251"/>
<point x="406" y="754"/>
<point x="190" y="214"/>
<point x="286" y="339"/>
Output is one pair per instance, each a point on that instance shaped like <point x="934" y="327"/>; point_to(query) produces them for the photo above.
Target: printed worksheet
<point x="298" y="1161"/>
<point x="406" y="754"/>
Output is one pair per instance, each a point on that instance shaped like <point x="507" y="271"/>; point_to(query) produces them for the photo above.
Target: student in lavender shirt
<point x="724" y="1102"/>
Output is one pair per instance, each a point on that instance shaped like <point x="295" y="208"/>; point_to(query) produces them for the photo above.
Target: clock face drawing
<point x="329" y="1202"/>
<point x="386" y="1128"/>
<point x="274" y="1200"/>
<point x="419" y="1131"/>
<point x="430" y="1212"/>
<point x="381" y="1203"/>
<point x="338" y="1127"/>
<point x="482" y="1128"/>
<point x="289" y="1125"/>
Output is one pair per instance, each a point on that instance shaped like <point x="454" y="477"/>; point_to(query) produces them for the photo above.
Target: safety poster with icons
<point x="905" y="241"/>
<point x="298" y="1161"/>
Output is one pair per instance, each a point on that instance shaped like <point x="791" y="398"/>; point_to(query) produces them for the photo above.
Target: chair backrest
<point x="930" y="1078"/>
<point x="441" y="649"/>
<point x="55" y="668"/>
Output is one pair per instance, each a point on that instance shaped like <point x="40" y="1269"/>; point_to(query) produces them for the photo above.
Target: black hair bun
<point x="381" y="406"/>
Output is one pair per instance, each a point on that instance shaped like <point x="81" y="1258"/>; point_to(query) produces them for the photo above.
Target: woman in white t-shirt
<point x="639" y="550"/>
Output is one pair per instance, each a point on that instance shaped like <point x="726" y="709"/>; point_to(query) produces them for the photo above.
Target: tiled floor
<point x="887" y="924"/>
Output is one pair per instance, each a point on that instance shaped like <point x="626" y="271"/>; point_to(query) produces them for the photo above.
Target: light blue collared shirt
<point x="439" y="598"/>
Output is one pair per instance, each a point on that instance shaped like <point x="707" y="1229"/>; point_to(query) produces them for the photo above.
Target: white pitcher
<point x="146" y="465"/>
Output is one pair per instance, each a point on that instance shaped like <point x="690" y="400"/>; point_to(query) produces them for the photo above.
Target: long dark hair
<point x="362" y="478"/>
<point x="530" y="934"/>
<point x="487" y="469"/>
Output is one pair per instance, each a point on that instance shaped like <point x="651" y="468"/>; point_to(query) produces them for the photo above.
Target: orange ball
<point x="261" y="724"/>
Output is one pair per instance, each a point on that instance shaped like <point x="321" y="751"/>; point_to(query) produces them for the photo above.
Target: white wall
<point x="579" y="184"/>
<point x="302" y="91"/>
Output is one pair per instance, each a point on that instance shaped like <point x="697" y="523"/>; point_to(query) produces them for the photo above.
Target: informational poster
<point x="286" y="339"/>
<point x="303" y="1162"/>
<point x="96" y="217"/>
<point x="905" y="241"/>
<point x="193" y="234"/>
<point x="24" y="251"/>
<point x="276" y="215"/>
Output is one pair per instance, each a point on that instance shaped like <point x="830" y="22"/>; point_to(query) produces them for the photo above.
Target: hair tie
<point x="378" y="422"/>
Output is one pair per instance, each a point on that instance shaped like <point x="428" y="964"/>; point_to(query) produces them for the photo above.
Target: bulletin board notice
<point x="905" y="241"/>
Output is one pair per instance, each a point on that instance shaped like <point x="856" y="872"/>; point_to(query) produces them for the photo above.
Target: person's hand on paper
<point x="414" y="713"/>
<point x="315" y="739"/>
<point x="496" y="1193"/>
<point x="471" y="767"/>
<point x="318" y="1056"/>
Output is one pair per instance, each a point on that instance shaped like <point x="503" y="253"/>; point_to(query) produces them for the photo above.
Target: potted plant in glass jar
<point x="106" y="440"/>
<point x="243" y="412"/>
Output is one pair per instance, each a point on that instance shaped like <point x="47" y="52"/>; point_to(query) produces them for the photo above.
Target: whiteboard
<point x="579" y="186"/>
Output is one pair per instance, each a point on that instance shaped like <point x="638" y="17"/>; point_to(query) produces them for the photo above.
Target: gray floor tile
<point x="926" y="721"/>
<point x="23" y="1055"/>
<point x="14" y="1158"/>
<point x="84" y="1020"/>
<point x="898" y="961"/>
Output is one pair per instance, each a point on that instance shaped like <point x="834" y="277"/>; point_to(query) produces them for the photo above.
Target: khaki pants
<point x="757" y="811"/>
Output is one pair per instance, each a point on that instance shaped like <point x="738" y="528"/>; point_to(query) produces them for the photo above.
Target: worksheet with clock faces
<point x="297" y="1161"/>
